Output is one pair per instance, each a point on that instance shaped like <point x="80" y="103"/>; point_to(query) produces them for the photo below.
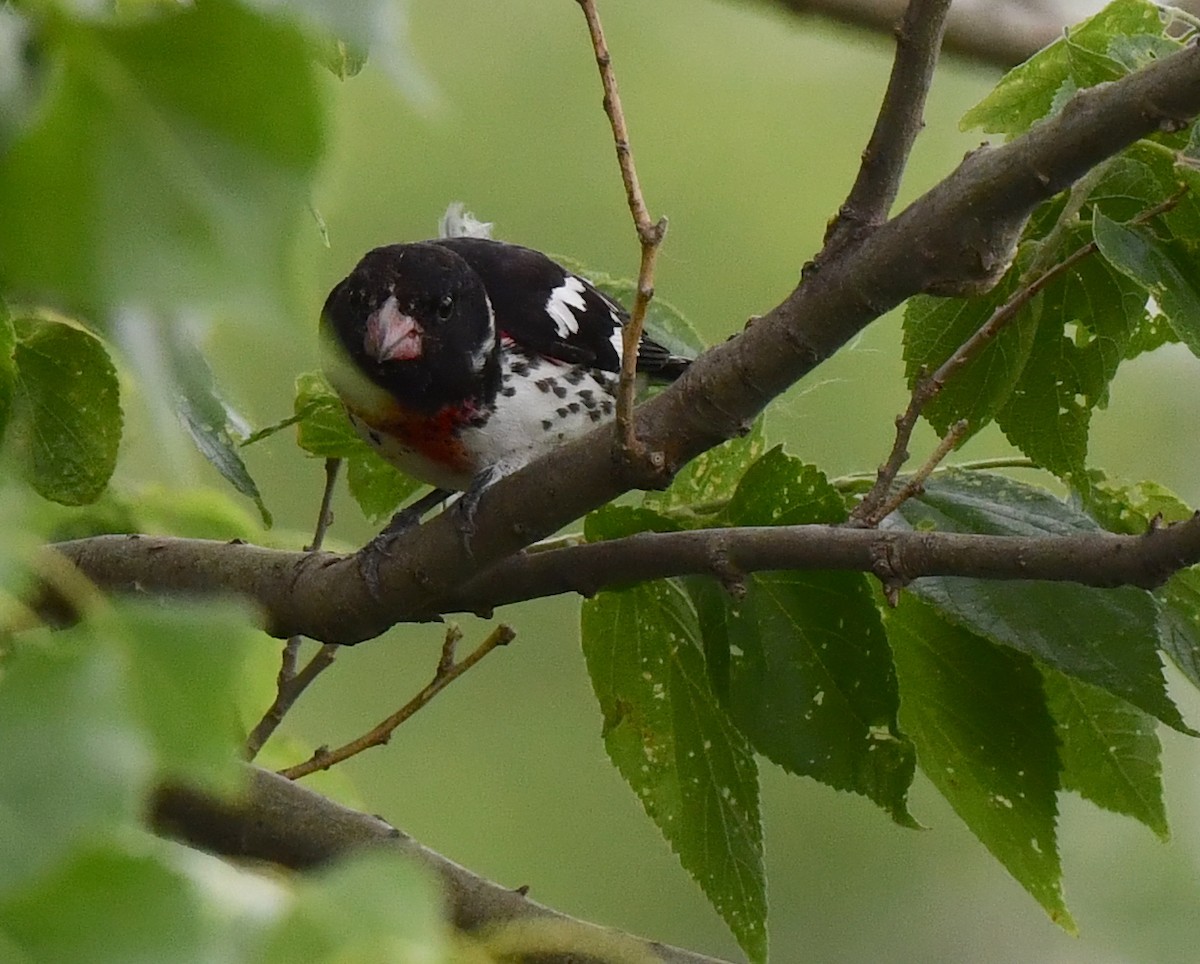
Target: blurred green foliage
<point x="160" y="161"/>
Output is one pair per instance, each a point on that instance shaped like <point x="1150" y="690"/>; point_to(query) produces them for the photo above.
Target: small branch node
<point x="447" y="672"/>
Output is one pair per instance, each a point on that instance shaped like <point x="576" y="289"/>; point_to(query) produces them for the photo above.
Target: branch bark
<point x="163" y="566"/>
<point x="957" y="238"/>
<point x="290" y="825"/>
<point x="990" y="32"/>
<point x="901" y="117"/>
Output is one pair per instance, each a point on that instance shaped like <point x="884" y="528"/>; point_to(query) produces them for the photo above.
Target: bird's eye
<point x="445" y="307"/>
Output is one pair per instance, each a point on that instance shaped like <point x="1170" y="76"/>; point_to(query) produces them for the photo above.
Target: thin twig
<point x="325" y="513"/>
<point x="928" y="386"/>
<point x="918" y="39"/>
<point x="290" y="684"/>
<point x="447" y="672"/>
<point x="287" y="692"/>
<point x="915" y="483"/>
<point x="650" y="233"/>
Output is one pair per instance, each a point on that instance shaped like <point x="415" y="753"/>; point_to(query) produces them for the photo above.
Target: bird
<point x="460" y="360"/>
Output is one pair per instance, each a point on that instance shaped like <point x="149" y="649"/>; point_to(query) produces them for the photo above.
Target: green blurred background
<point x="747" y="126"/>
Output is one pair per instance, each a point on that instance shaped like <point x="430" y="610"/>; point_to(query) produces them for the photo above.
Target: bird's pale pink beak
<point x="393" y="335"/>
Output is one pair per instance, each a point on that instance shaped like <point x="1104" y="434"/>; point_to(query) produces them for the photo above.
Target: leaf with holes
<point x="1165" y="268"/>
<point x="978" y="717"/>
<point x="1085" y="321"/>
<point x="934" y="328"/>
<point x="1109" y="750"/>
<point x="672" y="741"/>
<point x="811" y="681"/>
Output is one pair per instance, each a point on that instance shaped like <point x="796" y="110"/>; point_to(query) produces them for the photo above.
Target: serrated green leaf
<point x="201" y="125"/>
<point x="1109" y="750"/>
<point x="74" y="764"/>
<point x="69" y="421"/>
<point x="978" y="717"/>
<point x="210" y="421"/>
<point x="1029" y="92"/>
<point x="1106" y="637"/>
<point x="1132" y="510"/>
<point x="109" y="907"/>
<point x="377" y="487"/>
<point x="711" y="477"/>
<point x="1179" y="623"/>
<point x="812" y="683"/>
<point x="1085" y="321"/>
<point x="668" y="735"/>
<point x="1167" y="269"/>
<point x="934" y="328"/>
<point x="322" y="428"/>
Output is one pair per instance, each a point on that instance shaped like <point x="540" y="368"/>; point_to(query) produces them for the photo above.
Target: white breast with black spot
<point x="541" y="404"/>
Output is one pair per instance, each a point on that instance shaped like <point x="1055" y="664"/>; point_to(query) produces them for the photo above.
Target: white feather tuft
<point x="458" y="222"/>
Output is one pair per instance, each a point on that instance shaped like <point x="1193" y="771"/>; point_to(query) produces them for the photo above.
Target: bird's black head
<point x="415" y="319"/>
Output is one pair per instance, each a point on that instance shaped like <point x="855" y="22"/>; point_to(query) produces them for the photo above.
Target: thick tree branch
<point x="287" y="824"/>
<point x="901" y="117"/>
<point x="991" y="32"/>
<point x="157" y="565"/>
<point x="956" y="238"/>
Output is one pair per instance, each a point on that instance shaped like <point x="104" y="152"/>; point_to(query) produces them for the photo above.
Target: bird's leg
<point x="468" y="505"/>
<point x="374" y="552"/>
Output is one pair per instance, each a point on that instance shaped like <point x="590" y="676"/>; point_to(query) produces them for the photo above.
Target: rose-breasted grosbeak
<point x="462" y="359"/>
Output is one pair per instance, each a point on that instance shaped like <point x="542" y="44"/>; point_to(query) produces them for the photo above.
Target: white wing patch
<point x="617" y="339"/>
<point x="564" y="298"/>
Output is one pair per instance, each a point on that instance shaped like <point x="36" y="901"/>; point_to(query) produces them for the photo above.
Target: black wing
<point x="549" y="310"/>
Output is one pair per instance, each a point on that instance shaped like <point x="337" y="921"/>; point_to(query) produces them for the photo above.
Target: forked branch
<point x="650" y="233"/>
<point x="448" y="670"/>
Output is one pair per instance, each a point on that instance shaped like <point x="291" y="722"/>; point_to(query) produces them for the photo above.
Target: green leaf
<point x="183" y="669"/>
<point x="68" y="424"/>
<point x="108" y="907"/>
<point x="1106" y="637"/>
<point x="201" y="125"/>
<point x="934" y="328"/>
<point x="711" y="477"/>
<point x="74" y="763"/>
<point x="977" y="715"/>
<point x="1179" y="624"/>
<point x="324" y="430"/>
<point x="377" y="487"/>
<point x="1132" y="510"/>
<point x="208" y="418"/>
<point x="812" y="683"/>
<point x="1109" y="750"/>
<point x="1167" y="269"/>
<point x="667" y="734"/>
<point x="8" y="367"/>
<point x="1031" y="91"/>
<point x="1085" y="321"/>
